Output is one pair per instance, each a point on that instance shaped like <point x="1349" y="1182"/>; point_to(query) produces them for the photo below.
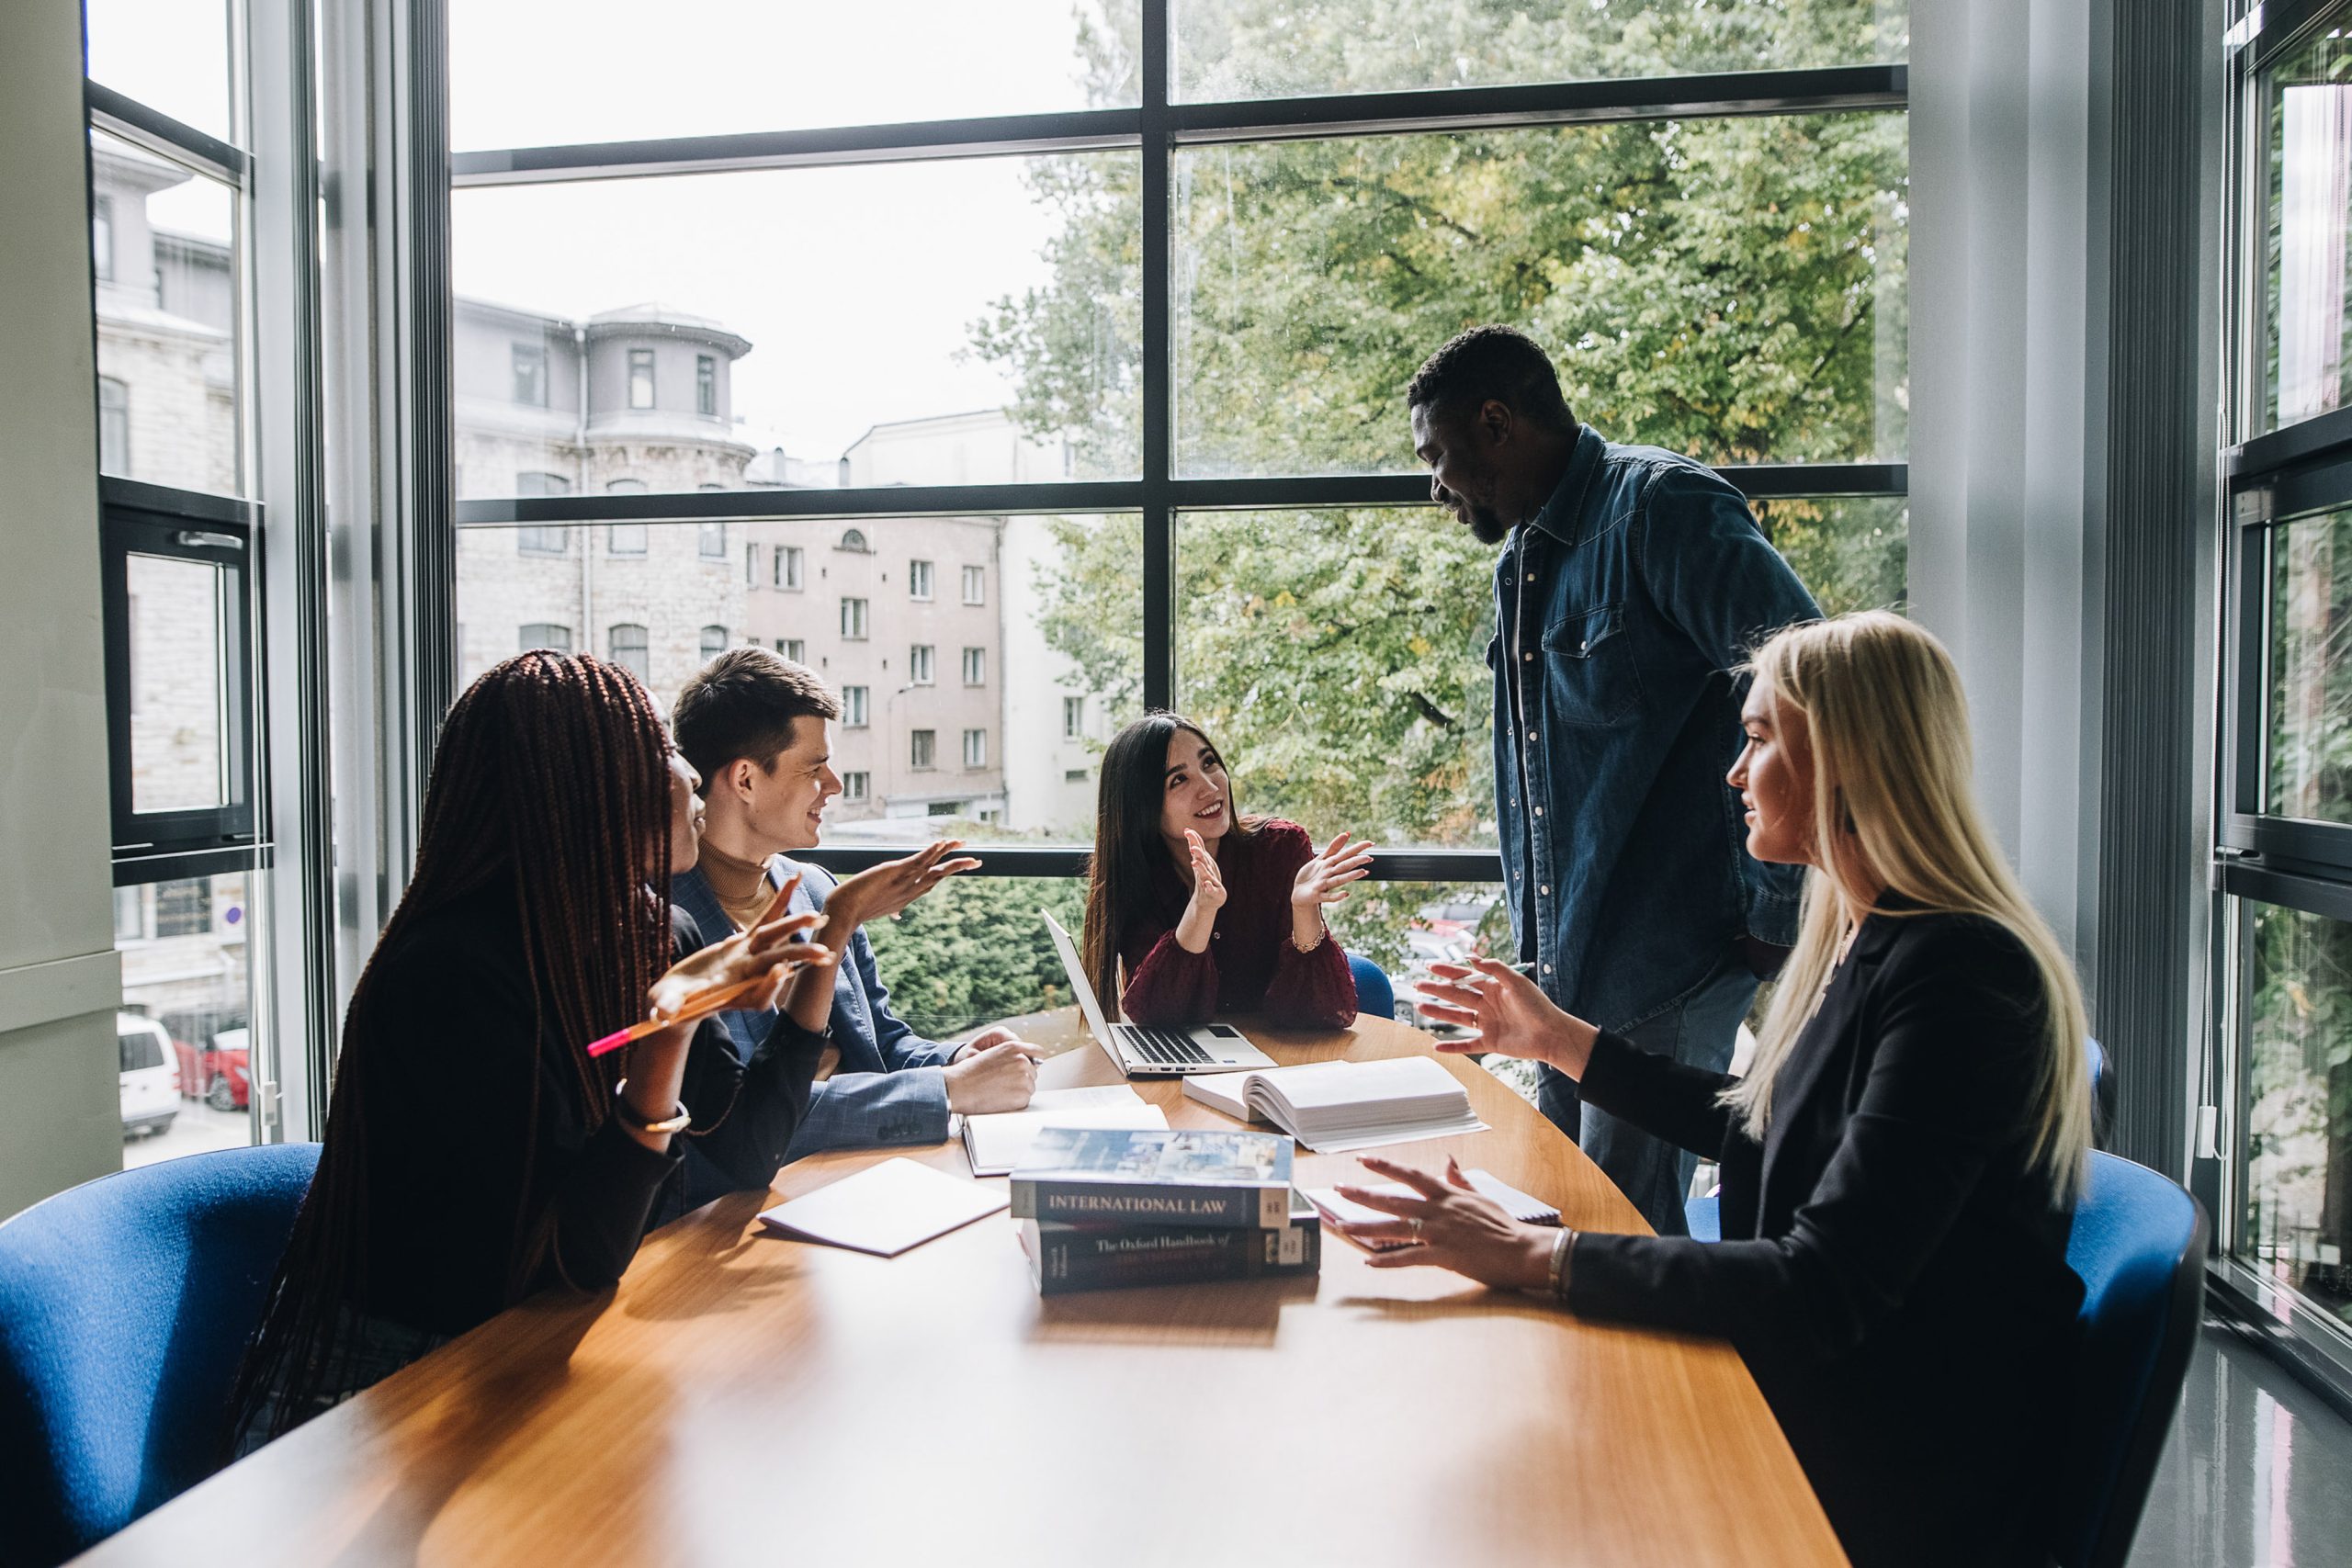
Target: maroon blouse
<point x="1251" y="965"/>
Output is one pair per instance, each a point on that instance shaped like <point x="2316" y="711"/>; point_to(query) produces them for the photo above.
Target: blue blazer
<point x="888" y="1087"/>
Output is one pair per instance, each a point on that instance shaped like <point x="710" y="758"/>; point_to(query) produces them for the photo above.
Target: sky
<point x="856" y="285"/>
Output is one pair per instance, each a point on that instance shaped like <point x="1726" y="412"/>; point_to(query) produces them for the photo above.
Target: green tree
<point x="973" y="950"/>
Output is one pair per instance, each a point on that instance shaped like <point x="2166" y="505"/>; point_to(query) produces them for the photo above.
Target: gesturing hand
<point x="880" y="891"/>
<point x="1324" y="878"/>
<point x="1448" y="1225"/>
<point x="770" y="947"/>
<point x="1508" y="1013"/>
<point x="1208" y="883"/>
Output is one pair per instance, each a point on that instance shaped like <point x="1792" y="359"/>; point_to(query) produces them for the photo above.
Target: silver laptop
<point x="1155" y="1053"/>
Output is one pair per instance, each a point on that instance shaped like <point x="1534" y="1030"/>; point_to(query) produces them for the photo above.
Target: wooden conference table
<point x="743" y="1399"/>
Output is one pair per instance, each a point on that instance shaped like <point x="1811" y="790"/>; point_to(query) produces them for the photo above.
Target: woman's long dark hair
<point x="551" y="784"/>
<point x="1131" y="871"/>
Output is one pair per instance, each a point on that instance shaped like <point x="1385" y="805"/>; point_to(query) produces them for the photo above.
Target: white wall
<point x="60" y="980"/>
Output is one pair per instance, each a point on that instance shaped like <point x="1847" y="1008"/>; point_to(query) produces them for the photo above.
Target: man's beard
<point x="1485" y="524"/>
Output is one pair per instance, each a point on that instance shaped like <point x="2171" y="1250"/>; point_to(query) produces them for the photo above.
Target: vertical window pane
<point x="2298" y="1218"/>
<point x="922" y="744"/>
<point x="853" y="701"/>
<point x="541" y="634"/>
<point x="976" y="585"/>
<point x="714" y="641"/>
<point x="641" y="377"/>
<point x="707" y="387"/>
<point x="626" y="647"/>
<point x="625" y="539"/>
<point x="2310" y="732"/>
<point x="114" y="427"/>
<point x="179" y="688"/>
<point x="1731" y="288"/>
<point x="2310" y="102"/>
<point x="530" y="365"/>
<point x="714" y="541"/>
<point x="102" y="238"/>
<point x="1259" y="49"/>
<point x="171" y="55"/>
<point x="168" y="319"/>
<point x="183" y="1033"/>
<point x="919" y="663"/>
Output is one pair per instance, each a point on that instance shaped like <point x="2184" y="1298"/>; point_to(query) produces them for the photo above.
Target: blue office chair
<point x="2139" y="1244"/>
<point x="1374" y="995"/>
<point x="125" y="1305"/>
<point x="1705" y="1217"/>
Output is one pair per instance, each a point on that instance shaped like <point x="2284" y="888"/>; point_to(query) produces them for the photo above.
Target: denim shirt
<point x="1626" y="604"/>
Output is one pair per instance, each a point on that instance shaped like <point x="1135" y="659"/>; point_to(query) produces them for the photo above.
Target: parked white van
<point x="150" y="1080"/>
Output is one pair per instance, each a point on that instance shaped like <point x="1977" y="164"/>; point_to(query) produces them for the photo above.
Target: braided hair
<point x="552" y="782"/>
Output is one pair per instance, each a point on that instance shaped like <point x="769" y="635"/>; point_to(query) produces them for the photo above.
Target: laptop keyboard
<point x="1166" y="1049"/>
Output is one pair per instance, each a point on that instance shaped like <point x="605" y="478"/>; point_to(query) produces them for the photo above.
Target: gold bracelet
<point x="678" y="1121"/>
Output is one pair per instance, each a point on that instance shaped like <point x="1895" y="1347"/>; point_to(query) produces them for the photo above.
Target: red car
<point x="220" y="1073"/>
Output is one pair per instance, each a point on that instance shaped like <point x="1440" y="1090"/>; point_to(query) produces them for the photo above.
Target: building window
<point x="918" y="579"/>
<point x="976" y="747"/>
<point x="976" y="667"/>
<point x="854" y="707"/>
<point x="792" y="647"/>
<point x="531" y="375"/>
<point x="947" y="808"/>
<point x="624" y="487"/>
<point x="787" y="566"/>
<point x="921" y="743"/>
<point x="714" y="641"/>
<point x="625" y="646"/>
<point x="853" y="619"/>
<point x="546" y="634"/>
<point x="641" y="377"/>
<point x="706" y="386"/>
<point x="129" y="914"/>
<point x="976" y="583"/>
<point x="1073" y="776"/>
<point x="751" y="566"/>
<point x="714" y="541"/>
<point x="542" y="539"/>
<point x="855" y="539"/>
<point x="537" y="482"/>
<point x="857" y="785"/>
<point x="625" y="539"/>
<point x="184" y="908"/>
<point x="114" y="427"/>
<point x="919" y="663"/>
<point x="102" y="238"/>
<point x="1073" y="717"/>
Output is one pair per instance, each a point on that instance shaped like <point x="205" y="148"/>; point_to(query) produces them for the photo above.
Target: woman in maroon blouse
<point x="1209" y="912"/>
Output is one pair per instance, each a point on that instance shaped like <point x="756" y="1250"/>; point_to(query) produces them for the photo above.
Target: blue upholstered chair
<point x="1705" y="1217"/>
<point x="1374" y="995"/>
<point x="125" y="1305"/>
<point x="2139" y="1244"/>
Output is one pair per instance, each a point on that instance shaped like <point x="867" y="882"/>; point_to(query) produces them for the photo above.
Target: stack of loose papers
<point x="885" y="1208"/>
<point x="998" y="1144"/>
<point x="1332" y="1106"/>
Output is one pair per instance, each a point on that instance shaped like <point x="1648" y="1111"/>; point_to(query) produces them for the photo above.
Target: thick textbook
<point x="1335" y="1106"/>
<point x="1064" y="1258"/>
<point x="1138" y="1176"/>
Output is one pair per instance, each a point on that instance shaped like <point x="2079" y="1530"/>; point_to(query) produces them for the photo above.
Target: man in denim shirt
<point x="1633" y="585"/>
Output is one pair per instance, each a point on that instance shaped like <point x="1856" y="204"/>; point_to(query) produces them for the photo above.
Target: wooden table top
<point x="740" y="1398"/>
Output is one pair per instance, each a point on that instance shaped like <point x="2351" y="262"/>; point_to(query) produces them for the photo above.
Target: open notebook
<point x="1335" y="1106"/>
<point x="996" y="1143"/>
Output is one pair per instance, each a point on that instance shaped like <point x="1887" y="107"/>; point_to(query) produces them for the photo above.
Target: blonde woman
<point x="1899" y="1166"/>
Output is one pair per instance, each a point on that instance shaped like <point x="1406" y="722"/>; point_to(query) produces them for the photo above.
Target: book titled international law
<point x="1065" y="1257"/>
<point x="1116" y="1176"/>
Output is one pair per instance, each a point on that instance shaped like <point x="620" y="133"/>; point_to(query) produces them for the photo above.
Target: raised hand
<point x="1449" y="1224"/>
<point x="1508" y="1013"/>
<point x="880" y="891"/>
<point x="1324" y="878"/>
<point x="1199" y="921"/>
<point x="773" y="946"/>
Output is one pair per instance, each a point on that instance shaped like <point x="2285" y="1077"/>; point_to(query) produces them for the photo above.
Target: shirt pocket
<point x="1588" y="669"/>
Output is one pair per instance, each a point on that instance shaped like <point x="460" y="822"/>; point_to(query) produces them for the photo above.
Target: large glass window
<point x="172" y="55"/>
<point x="2298" y="1205"/>
<point x="2309" y="741"/>
<point x="2308" y="98"/>
<point x="185" y="1031"/>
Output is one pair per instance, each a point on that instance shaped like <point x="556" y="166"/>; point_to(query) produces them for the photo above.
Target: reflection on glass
<point x="537" y="73"/>
<point x="168" y="366"/>
<point x="810" y="331"/>
<point x="2310" y="752"/>
<point x="184" y="1030"/>
<point x="172" y="55"/>
<point x="2299" y="1106"/>
<point x="1339" y="661"/>
<point x="1261" y="49"/>
<point x="178" y="692"/>
<point x="2311" y="227"/>
<point x="1729" y="289"/>
<point x="1068" y="630"/>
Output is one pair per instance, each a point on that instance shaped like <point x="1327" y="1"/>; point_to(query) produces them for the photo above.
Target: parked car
<point x="150" y="1075"/>
<point x="230" y="1062"/>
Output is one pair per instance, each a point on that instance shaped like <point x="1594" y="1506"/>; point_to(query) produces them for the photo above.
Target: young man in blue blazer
<point x="756" y="725"/>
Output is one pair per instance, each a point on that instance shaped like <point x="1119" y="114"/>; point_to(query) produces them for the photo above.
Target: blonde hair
<point x="1891" y="782"/>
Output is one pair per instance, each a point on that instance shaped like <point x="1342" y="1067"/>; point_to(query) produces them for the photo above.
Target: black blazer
<point x="1891" y="1270"/>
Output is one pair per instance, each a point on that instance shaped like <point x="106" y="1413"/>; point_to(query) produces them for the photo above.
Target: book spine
<point x="1072" y="1258"/>
<point x="1075" y="1200"/>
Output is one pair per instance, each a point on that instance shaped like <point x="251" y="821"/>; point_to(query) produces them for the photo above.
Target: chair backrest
<point x="2139" y="1244"/>
<point x="2103" y="1091"/>
<point x="1374" y="995"/>
<point x="125" y="1305"/>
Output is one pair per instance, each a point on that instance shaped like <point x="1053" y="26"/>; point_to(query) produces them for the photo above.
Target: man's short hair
<point x="1496" y="363"/>
<point x="742" y="704"/>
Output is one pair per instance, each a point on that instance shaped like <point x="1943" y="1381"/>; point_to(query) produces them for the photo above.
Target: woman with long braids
<point x="474" y="1152"/>
<point x="1209" y="911"/>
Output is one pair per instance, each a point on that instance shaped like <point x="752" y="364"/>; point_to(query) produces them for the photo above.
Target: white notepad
<point x="996" y="1143"/>
<point x="885" y="1208"/>
<point x="1332" y="1106"/>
